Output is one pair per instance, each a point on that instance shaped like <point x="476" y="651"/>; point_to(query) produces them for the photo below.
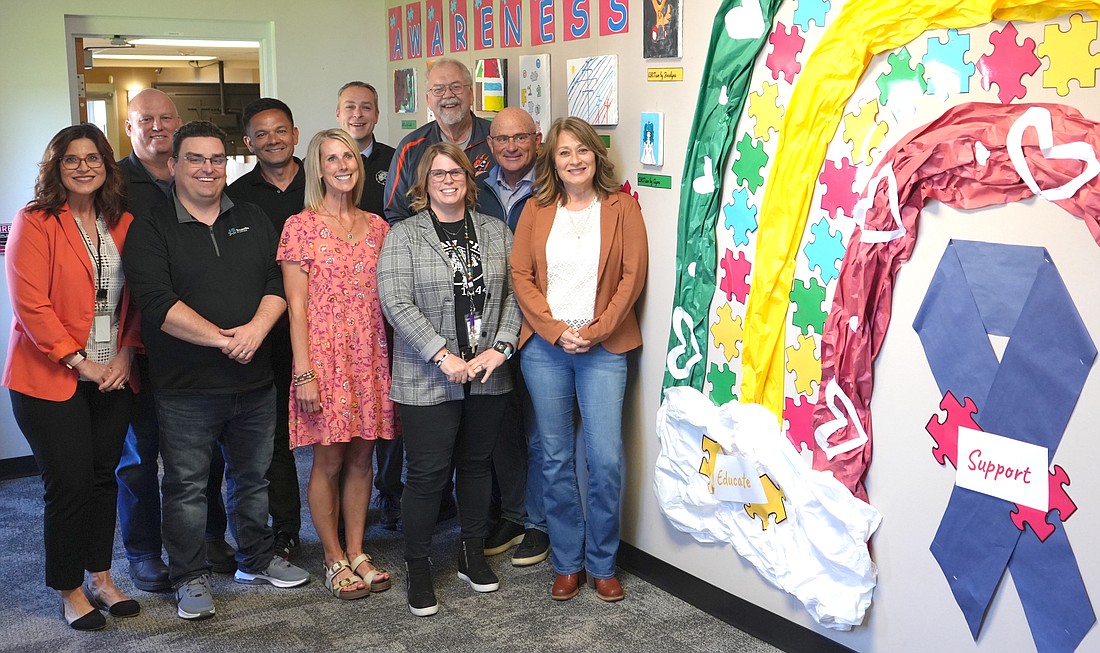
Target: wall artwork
<point x="652" y="148"/>
<point x="662" y="34"/>
<point x="593" y="90"/>
<point x="490" y="84"/>
<point x="534" y="89"/>
<point x="404" y="90"/>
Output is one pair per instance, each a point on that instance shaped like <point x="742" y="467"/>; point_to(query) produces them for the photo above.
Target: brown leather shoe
<point x="566" y="586"/>
<point x="607" y="589"/>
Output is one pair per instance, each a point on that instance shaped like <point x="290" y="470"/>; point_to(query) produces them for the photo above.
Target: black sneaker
<point x="506" y="535"/>
<point x="285" y="545"/>
<point x="534" y="548"/>
<point x="391" y="511"/>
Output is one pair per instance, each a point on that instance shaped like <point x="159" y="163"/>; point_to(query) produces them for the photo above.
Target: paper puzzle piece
<point x="786" y="45"/>
<point x="722" y="382"/>
<point x="728" y="332"/>
<point x="825" y="251"/>
<point x="811" y="10"/>
<point x="1059" y="500"/>
<point x="804" y="363"/>
<point x="711" y="449"/>
<point x="736" y="271"/>
<point x="764" y="107"/>
<point x="1069" y="55"/>
<point x="800" y="423"/>
<point x="946" y="432"/>
<point x="839" y="179"/>
<point x="945" y="65"/>
<point x="751" y="158"/>
<point x="1007" y="65"/>
<point x="774" y="506"/>
<point x="864" y="132"/>
<point x="901" y="76"/>
<point x="740" y="216"/>
<point x="808" y="299"/>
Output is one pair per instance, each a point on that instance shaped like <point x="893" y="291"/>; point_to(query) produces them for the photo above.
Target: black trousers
<point x="465" y="431"/>
<point x="283" y="495"/>
<point x="77" y="444"/>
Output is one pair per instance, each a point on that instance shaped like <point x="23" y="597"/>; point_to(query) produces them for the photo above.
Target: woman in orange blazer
<point x="578" y="266"/>
<point x="68" y="365"/>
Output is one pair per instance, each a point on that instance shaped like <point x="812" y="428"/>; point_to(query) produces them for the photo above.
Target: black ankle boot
<point x="473" y="569"/>
<point x="418" y="578"/>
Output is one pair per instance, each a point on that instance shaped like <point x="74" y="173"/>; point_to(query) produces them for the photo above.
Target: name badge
<point x="735" y="479"/>
<point x="101" y="327"/>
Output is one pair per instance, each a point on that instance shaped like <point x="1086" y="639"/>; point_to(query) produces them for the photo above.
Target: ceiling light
<point x="196" y="43"/>
<point x="155" y="57"/>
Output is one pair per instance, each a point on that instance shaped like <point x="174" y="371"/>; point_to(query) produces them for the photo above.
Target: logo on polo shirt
<point x="237" y="230"/>
<point x="481" y="163"/>
<point x="381" y="176"/>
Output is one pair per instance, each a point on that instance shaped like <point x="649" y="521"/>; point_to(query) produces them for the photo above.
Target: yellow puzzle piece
<point x="1069" y="55"/>
<point x="727" y="332"/>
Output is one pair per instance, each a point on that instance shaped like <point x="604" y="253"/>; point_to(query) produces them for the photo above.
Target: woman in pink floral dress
<point x="339" y="400"/>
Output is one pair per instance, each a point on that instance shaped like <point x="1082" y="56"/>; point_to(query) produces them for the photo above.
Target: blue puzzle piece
<point x="825" y="251"/>
<point x="945" y="57"/>
<point x="740" y="217"/>
<point x="808" y="10"/>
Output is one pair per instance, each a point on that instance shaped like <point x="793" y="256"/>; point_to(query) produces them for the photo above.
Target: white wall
<point x="316" y="47"/>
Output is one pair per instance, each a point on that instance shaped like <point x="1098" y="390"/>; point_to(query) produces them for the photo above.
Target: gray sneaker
<point x="193" y="599"/>
<point x="279" y="573"/>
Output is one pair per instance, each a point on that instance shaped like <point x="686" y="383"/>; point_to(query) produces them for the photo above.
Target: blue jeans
<point x="595" y="381"/>
<point x="243" y="424"/>
<point x="139" y="484"/>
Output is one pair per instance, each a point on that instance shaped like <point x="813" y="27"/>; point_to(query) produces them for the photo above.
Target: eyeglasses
<point x="520" y="138"/>
<point x="218" y="160"/>
<point x="438" y="175"/>
<point x="440" y="89"/>
<point x="71" y="162"/>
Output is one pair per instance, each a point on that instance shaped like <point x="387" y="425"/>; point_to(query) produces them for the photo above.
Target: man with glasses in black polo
<point x="450" y="95"/>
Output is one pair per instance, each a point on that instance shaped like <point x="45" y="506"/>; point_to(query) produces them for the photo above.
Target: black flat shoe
<point x="124" y="608"/>
<point x="94" y="620"/>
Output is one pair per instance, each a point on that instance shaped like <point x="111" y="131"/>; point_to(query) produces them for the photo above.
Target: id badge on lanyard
<point x="101" y="325"/>
<point x="473" y="330"/>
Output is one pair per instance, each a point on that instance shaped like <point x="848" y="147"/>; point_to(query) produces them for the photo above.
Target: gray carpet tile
<point x="518" y="617"/>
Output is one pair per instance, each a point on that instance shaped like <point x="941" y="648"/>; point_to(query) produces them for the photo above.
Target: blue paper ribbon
<point x="982" y="289"/>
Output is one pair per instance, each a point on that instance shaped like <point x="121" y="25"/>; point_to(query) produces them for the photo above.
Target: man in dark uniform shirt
<point x="278" y="186"/>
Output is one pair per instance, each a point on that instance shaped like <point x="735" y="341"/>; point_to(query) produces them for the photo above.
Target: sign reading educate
<point x="736" y="479"/>
<point x="1003" y="467"/>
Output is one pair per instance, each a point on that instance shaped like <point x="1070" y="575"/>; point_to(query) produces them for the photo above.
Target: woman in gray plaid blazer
<point x="445" y="285"/>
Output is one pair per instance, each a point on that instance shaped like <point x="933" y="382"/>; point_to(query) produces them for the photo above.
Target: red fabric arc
<point x="935" y="162"/>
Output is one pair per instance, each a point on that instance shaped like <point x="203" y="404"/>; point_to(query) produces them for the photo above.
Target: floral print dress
<point x="347" y="332"/>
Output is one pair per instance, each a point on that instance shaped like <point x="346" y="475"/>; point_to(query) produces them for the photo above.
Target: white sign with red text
<point x="1003" y="467"/>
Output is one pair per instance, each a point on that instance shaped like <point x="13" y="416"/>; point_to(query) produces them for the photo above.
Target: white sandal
<point x="337" y="586"/>
<point x="369" y="578"/>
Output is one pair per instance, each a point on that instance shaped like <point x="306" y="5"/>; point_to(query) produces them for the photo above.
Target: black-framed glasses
<point x="437" y="175"/>
<point x="520" y="138"/>
<point x="218" y="160"/>
<point x="72" y="162"/>
<point x="454" y="87"/>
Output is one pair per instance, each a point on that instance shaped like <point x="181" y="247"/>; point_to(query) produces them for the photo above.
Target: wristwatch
<point x="505" y="348"/>
<point x="78" y="357"/>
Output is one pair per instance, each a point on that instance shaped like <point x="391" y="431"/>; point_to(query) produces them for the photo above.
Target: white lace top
<point x="573" y="263"/>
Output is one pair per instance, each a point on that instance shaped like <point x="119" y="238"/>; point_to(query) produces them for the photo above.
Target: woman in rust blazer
<point x="578" y="266"/>
<point x="68" y="365"/>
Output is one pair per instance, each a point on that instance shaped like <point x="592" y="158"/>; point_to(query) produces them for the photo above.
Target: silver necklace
<point x="578" y="220"/>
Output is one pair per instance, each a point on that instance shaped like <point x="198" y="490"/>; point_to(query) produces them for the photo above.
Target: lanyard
<point x="97" y="256"/>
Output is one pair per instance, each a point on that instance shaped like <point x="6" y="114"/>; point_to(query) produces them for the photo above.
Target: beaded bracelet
<point x="305" y="377"/>
<point x="442" y="358"/>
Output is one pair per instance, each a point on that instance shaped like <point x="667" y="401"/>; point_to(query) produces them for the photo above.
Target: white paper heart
<point x="746" y="21"/>
<point x="1039" y="118"/>
<point x="680" y="319"/>
<point x="868" y="200"/>
<point x="826" y="430"/>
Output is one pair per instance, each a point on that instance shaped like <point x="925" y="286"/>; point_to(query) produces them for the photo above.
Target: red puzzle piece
<point x="839" y="177"/>
<point x="733" y="281"/>
<point x="800" y="425"/>
<point x="946" y="433"/>
<point x="1059" y="500"/>
<point x="1008" y="64"/>
<point x="786" y="45"/>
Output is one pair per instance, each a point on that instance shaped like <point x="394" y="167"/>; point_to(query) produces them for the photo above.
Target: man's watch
<point x="78" y="357"/>
<point x="505" y="348"/>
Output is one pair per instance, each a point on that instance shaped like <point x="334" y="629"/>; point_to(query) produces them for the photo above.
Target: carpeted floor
<point x="518" y="617"/>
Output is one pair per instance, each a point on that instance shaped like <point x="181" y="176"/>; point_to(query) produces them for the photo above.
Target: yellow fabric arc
<point x="863" y="29"/>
